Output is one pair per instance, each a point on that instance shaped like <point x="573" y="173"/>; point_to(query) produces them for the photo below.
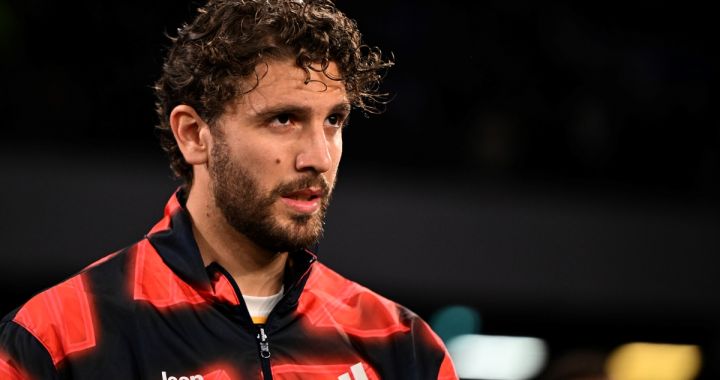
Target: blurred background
<point x="544" y="188"/>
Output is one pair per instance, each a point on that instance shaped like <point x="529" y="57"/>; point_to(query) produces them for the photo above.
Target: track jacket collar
<point x="173" y="239"/>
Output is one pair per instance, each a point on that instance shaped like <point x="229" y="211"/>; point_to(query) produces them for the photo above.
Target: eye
<point x="336" y="120"/>
<point x="281" y="120"/>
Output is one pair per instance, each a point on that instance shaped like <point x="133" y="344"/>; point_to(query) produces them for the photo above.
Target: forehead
<point x="282" y="81"/>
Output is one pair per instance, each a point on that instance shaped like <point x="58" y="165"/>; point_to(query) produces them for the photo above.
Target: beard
<point x="249" y="211"/>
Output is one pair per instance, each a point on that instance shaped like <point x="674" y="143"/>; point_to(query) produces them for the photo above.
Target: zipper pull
<point x="264" y="345"/>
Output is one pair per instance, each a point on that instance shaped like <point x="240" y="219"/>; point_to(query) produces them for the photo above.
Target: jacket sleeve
<point x="430" y="350"/>
<point x="22" y="356"/>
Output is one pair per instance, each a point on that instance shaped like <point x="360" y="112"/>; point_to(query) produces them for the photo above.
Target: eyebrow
<point x="297" y="110"/>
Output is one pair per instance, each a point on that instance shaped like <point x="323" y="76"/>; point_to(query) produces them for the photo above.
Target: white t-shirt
<point x="260" y="307"/>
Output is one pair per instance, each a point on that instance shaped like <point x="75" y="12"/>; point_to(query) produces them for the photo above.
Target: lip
<point x="302" y="206"/>
<point x="305" y="201"/>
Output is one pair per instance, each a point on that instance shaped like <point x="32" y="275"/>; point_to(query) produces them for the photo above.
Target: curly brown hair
<point x="212" y="60"/>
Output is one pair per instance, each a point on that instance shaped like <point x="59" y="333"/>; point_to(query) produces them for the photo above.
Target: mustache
<point x="301" y="183"/>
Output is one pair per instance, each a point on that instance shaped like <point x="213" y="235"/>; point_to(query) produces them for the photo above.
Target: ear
<point x="191" y="133"/>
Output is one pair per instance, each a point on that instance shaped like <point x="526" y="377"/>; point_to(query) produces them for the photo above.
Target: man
<point x="252" y="101"/>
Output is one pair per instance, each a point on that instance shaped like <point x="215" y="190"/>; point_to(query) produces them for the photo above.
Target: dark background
<point x="554" y="165"/>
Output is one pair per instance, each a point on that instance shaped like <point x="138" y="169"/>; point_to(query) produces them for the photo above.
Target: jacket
<point x="155" y="311"/>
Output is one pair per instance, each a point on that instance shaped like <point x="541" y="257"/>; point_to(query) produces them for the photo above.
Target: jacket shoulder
<point x="62" y="319"/>
<point x="331" y="297"/>
<point x="331" y="301"/>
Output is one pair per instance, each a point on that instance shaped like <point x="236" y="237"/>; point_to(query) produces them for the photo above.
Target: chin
<point x="304" y="228"/>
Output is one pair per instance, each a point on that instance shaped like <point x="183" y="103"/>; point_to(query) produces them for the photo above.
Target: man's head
<point x="273" y="159"/>
<point x="252" y="102"/>
<point x="212" y="60"/>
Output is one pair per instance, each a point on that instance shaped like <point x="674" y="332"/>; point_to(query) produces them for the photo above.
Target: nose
<point x="314" y="153"/>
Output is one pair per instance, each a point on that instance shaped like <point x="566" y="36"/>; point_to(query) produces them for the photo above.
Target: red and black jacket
<point x="154" y="311"/>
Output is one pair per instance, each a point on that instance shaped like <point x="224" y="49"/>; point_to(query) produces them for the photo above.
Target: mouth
<point x="307" y="194"/>
<point x="304" y="201"/>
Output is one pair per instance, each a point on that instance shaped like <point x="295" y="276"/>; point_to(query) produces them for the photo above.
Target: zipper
<point x="262" y="339"/>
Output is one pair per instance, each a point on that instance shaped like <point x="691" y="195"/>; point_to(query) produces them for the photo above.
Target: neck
<point x="257" y="271"/>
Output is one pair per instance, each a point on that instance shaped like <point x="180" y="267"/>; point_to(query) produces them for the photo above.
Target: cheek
<point x="336" y="154"/>
<point x="261" y="162"/>
<point x="336" y="147"/>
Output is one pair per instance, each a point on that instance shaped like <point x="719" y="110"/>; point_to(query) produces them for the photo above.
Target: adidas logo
<point x="358" y="373"/>
<point x="193" y="377"/>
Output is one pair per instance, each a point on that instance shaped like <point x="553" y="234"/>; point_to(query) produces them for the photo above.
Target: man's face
<point x="276" y="153"/>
